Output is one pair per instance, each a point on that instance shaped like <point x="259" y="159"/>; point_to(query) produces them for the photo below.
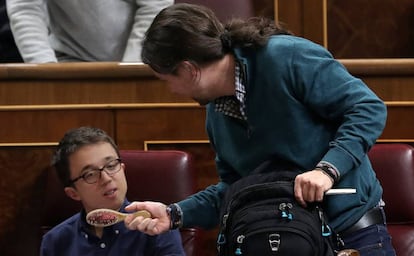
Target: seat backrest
<point x="394" y="166"/>
<point x="57" y="206"/>
<point x="226" y="9"/>
<point x="157" y="175"/>
<point x="163" y="175"/>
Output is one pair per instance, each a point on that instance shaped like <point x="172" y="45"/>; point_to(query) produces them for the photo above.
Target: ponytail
<point x="194" y="33"/>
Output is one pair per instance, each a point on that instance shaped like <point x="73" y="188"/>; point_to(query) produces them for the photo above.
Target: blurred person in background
<point x="69" y="30"/>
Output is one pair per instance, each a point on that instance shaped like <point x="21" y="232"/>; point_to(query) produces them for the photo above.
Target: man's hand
<point x="157" y="224"/>
<point x="311" y="186"/>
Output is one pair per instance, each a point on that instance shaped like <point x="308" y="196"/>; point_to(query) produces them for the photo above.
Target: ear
<point x="72" y="193"/>
<point x="190" y="67"/>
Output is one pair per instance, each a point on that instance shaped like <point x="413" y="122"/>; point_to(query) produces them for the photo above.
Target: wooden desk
<point x="38" y="103"/>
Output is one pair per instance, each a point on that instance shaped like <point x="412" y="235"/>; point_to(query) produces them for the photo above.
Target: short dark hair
<point x="71" y="142"/>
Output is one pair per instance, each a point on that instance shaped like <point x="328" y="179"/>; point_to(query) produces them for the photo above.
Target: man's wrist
<point x="176" y="216"/>
<point x="328" y="170"/>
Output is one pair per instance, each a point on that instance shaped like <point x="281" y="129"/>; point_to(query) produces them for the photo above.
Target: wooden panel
<point x="264" y="8"/>
<point x="400" y="123"/>
<point x="387" y="33"/>
<point x="391" y="89"/>
<point x="45" y="126"/>
<point x="103" y="91"/>
<point x="391" y="79"/>
<point x="136" y="126"/>
<point x="380" y="67"/>
<point x="73" y="70"/>
<point x="304" y="18"/>
<point x="289" y="13"/>
<point x="345" y="29"/>
<point x="73" y="85"/>
<point x="81" y="83"/>
<point x="21" y="195"/>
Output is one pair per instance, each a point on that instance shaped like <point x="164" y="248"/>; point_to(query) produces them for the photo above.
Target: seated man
<point x="88" y="163"/>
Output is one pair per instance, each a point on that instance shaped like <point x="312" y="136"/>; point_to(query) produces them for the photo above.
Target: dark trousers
<point x="370" y="241"/>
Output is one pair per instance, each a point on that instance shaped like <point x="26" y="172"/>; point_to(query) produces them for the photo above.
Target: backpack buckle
<point x="274" y="242"/>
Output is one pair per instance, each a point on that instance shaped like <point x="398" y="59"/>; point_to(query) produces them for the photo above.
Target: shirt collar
<point x="234" y="106"/>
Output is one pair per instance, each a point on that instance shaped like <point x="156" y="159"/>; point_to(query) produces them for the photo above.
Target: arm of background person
<point x="29" y="24"/>
<point x="146" y="12"/>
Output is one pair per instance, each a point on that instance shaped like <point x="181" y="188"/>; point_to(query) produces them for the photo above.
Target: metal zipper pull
<point x="274" y="242"/>
<point x="239" y="241"/>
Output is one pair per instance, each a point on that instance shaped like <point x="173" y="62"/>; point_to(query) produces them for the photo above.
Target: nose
<point x="105" y="177"/>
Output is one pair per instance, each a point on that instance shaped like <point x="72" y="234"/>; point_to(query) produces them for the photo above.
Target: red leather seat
<point x="158" y="175"/>
<point x="394" y="165"/>
<point x="165" y="176"/>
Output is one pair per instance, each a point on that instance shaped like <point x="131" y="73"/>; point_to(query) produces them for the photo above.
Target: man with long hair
<point x="271" y="95"/>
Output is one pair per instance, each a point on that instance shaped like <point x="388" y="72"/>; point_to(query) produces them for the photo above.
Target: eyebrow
<point x="93" y="167"/>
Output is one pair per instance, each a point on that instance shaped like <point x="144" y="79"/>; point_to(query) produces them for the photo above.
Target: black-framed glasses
<point x="92" y="175"/>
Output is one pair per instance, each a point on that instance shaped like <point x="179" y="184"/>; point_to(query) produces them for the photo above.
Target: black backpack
<point x="260" y="216"/>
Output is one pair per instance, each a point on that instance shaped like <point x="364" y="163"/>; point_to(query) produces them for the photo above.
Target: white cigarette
<point x="340" y="191"/>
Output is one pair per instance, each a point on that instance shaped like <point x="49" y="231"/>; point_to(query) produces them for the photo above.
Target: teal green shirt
<point x="304" y="107"/>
